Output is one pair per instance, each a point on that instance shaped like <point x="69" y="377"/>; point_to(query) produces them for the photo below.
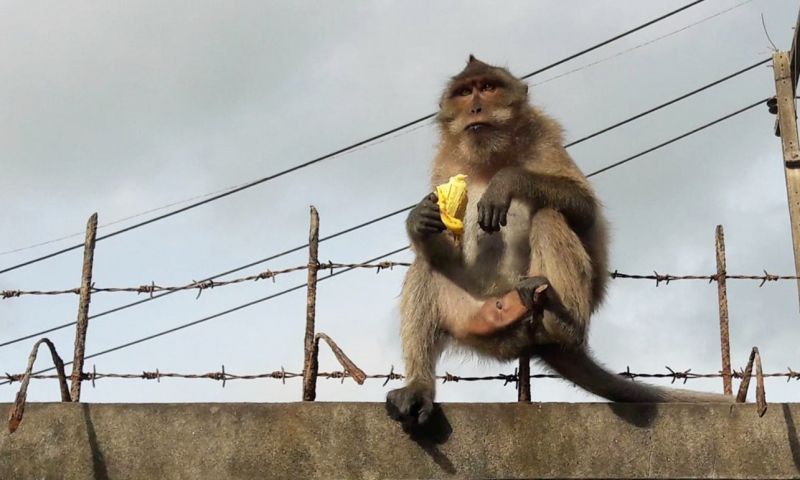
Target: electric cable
<point x="332" y="154"/>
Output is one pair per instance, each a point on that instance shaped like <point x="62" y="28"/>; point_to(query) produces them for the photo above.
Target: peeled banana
<point x="452" y="200"/>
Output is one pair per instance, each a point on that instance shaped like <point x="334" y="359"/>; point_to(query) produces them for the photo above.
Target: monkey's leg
<point x="497" y="313"/>
<point x="559" y="259"/>
<point x="423" y="341"/>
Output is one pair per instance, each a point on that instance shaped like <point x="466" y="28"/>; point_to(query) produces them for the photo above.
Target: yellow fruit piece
<point x="452" y="200"/>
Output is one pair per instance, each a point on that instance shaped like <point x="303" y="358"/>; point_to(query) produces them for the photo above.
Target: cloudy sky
<point x="123" y="107"/>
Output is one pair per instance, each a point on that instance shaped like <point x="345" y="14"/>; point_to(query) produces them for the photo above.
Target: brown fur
<point x="555" y="229"/>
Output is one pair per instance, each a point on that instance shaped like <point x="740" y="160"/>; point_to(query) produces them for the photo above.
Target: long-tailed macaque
<point x="533" y="228"/>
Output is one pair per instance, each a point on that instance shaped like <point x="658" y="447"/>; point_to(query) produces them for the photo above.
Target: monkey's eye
<point x="464" y="91"/>
<point x="487" y="87"/>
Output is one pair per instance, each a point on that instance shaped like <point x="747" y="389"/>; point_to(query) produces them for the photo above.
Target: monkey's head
<point x="480" y="109"/>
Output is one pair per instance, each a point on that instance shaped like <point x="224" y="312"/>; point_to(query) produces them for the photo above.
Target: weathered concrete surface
<point x="356" y="440"/>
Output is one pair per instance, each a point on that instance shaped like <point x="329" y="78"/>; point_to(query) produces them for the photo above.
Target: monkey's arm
<point x="575" y="201"/>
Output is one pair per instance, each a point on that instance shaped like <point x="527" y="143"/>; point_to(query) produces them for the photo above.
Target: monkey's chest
<point x="499" y="259"/>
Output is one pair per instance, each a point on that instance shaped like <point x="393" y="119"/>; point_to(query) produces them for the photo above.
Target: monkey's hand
<point x="410" y="405"/>
<point x="424" y="219"/>
<point x="494" y="204"/>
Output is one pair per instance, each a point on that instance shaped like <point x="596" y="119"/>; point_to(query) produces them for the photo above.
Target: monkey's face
<point x="479" y="109"/>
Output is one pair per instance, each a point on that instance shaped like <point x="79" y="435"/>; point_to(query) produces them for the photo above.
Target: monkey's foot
<point x="534" y="292"/>
<point x="409" y="405"/>
<point x="558" y="324"/>
<point x="495" y="314"/>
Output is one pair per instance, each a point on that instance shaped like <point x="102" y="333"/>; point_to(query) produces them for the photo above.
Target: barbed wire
<point x="224" y="376"/>
<point x="201" y="286"/>
<point x="666" y="278"/>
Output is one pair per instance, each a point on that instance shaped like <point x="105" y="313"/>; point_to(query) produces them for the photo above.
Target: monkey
<point x="534" y="232"/>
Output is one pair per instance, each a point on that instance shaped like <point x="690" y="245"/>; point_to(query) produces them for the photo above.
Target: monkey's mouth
<point x="477" y="127"/>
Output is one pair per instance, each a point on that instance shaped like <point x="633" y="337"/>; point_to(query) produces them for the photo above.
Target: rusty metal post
<point x="18" y="409"/>
<point x="761" y="398"/>
<point x="524" y="379"/>
<point x="722" y="292"/>
<point x="787" y="121"/>
<point x="83" y="309"/>
<point x="310" y="365"/>
<point x="349" y="367"/>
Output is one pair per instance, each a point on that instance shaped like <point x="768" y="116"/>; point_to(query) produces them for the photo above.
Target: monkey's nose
<point x="475" y="109"/>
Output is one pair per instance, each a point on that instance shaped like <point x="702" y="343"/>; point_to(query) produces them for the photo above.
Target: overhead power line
<point x="397" y="212"/>
<point x="641" y="45"/>
<point x="679" y="137"/>
<point x="612" y="39"/>
<point x="335" y="153"/>
<point x="668" y="103"/>
<point x="197" y="197"/>
<point x="220" y="314"/>
<point x="297" y="287"/>
<point x="213" y="277"/>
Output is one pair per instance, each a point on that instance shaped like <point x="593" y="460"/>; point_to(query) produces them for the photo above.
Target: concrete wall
<point x="356" y="440"/>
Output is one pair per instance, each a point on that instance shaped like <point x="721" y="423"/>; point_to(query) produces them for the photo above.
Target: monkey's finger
<point x="430" y="214"/>
<point x="425" y="230"/>
<point x="393" y="408"/>
<point x="488" y="224"/>
<point x="393" y="411"/>
<point x="425" y="410"/>
<point x="422" y="214"/>
<point x="487" y="220"/>
<point x="504" y="217"/>
<point x="496" y="213"/>
<point x="484" y="217"/>
<point x="432" y="223"/>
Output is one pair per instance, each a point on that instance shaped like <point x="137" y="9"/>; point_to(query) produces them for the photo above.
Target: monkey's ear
<point x="526" y="88"/>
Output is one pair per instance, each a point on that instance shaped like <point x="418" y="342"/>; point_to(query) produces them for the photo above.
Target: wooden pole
<point x="83" y="308"/>
<point x="722" y="291"/>
<point x="311" y="348"/>
<point x="793" y="67"/>
<point x="787" y="120"/>
<point x="524" y="379"/>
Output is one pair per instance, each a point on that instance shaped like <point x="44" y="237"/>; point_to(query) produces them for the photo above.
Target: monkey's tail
<point x="581" y="369"/>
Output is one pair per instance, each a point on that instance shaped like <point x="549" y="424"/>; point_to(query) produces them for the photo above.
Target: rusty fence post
<point x="524" y="379"/>
<point x="83" y="309"/>
<point x="349" y="367"/>
<point x="18" y="408"/>
<point x="722" y="293"/>
<point x="761" y="397"/>
<point x="310" y="365"/>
